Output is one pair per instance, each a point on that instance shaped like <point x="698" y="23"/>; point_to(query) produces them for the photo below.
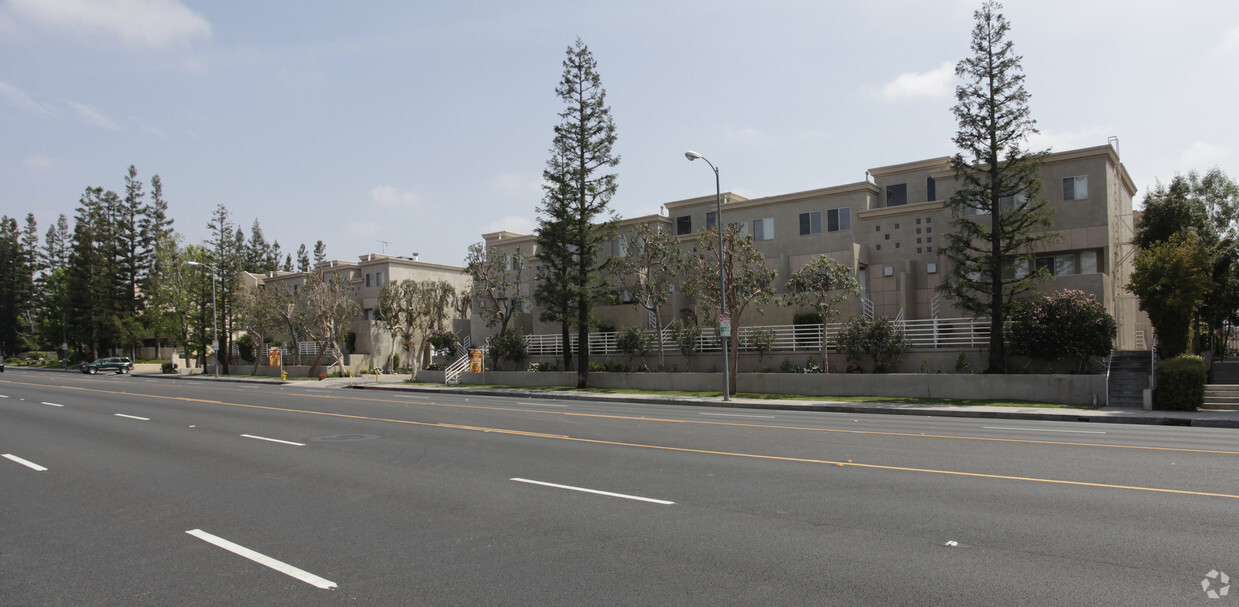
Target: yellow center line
<point x="674" y="449"/>
<point x="690" y="421"/>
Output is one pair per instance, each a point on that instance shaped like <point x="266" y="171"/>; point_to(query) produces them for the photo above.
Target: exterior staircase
<point x="1222" y="391"/>
<point x="1130" y="372"/>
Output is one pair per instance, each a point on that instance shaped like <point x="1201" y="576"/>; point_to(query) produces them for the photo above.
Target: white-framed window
<point x="1075" y="188"/>
<point x="619" y="247"/>
<point x="763" y="229"/>
<point x="839" y="220"/>
<point x="811" y="223"/>
<point x="1005" y="203"/>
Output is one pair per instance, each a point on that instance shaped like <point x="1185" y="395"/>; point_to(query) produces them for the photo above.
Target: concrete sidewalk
<point x="1112" y="415"/>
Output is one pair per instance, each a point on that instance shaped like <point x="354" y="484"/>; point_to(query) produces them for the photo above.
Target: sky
<point x="409" y="127"/>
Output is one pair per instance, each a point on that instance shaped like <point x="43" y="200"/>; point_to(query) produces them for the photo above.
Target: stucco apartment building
<point x="366" y="276"/>
<point x="888" y="228"/>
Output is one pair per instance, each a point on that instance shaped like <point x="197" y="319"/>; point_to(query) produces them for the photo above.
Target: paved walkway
<point x="1116" y="415"/>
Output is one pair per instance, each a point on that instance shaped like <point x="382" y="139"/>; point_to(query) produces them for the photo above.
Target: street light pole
<point x="722" y="279"/>
<point x="214" y="311"/>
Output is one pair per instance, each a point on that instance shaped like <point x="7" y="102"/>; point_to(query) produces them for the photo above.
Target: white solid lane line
<point x="540" y="405"/>
<point x="26" y="463"/>
<point x="51" y="404"/>
<point x="145" y="419"/>
<point x="274" y="440"/>
<point x="263" y="559"/>
<point x="737" y="415"/>
<point x="594" y="491"/>
<point x="1045" y="430"/>
<point x="3" y="396"/>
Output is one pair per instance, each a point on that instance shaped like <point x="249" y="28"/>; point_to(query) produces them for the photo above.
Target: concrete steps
<point x="1221" y="397"/>
<point x="1129" y="378"/>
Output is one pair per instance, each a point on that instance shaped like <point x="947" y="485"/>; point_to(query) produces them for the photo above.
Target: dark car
<point x="119" y="364"/>
<point x="1" y="365"/>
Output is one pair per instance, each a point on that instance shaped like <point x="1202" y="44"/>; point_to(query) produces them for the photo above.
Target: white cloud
<point x="934" y="83"/>
<point x="392" y="198"/>
<point x="18" y="98"/>
<point x="511" y="223"/>
<point x="1202" y="155"/>
<point x="40" y="162"/>
<point x="148" y="23"/>
<point x="148" y="128"/>
<point x="92" y="116"/>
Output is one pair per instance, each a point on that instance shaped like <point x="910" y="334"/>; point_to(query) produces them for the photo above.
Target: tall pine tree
<point x="996" y="176"/>
<point x="578" y="188"/>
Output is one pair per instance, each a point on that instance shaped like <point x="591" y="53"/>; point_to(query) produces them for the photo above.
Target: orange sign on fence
<point x="475" y="361"/>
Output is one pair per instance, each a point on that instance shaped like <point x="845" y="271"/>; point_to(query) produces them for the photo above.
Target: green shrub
<point x="1064" y="324"/>
<point x="685" y="335"/>
<point x="168" y="367"/>
<point x="606" y="326"/>
<point x="632" y="341"/>
<point x="245" y="344"/>
<point x="441" y="339"/>
<point x="1180" y="383"/>
<point x="509" y="345"/>
<point x="877" y="337"/>
<point x="597" y="366"/>
<point x="617" y="367"/>
<point x="961" y="363"/>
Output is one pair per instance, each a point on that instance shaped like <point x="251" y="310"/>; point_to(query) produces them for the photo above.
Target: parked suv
<point x="118" y="364"/>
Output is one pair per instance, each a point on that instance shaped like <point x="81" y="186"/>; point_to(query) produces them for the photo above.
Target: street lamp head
<point x="691" y="155"/>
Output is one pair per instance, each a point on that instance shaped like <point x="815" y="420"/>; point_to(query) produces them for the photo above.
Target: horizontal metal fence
<point x="924" y="333"/>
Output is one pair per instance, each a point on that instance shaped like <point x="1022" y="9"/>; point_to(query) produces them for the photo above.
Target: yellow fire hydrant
<point x="283" y="375"/>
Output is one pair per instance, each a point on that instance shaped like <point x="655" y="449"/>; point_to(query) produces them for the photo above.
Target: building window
<point x="896" y="195"/>
<point x="929" y="249"/>
<point x="928" y="230"/>
<point x="886" y="236"/>
<point x="711" y="221"/>
<point x="918" y="230"/>
<point x="1058" y="265"/>
<point x="918" y="249"/>
<point x="929" y="239"/>
<point x="896" y="245"/>
<point x="378" y="279"/>
<point x="896" y="226"/>
<point x="763" y="229"/>
<point x="1088" y="262"/>
<point x="617" y="247"/>
<point x="839" y="220"/>
<point x="1075" y="188"/>
<point x="684" y="225"/>
<point x="918" y="241"/>
<point x="931" y="191"/>
<point x="929" y="220"/>
<point x="811" y="223"/>
<point x="877" y="228"/>
<point x="877" y="247"/>
<point x="367" y="280"/>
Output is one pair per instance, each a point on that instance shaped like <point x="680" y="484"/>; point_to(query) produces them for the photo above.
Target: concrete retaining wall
<point x="1066" y="389"/>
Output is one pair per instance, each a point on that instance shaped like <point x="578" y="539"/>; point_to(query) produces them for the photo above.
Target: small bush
<point x="853" y="368"/>
<point x="1180" y="383"/>
<point x="597" y="367"/>
<point x="509" y="345"/>
<point x="961" y="363"/>
<point x="807" y="318"/>
<point x="881" y="367"/>
<point x="877" y="337"/>
<point x="168" y="367"/>
<point x="632" y="341"/>
<point x="617" y="367"/>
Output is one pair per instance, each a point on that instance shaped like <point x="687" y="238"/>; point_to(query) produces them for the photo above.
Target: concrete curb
<point x="1167" y="418"/>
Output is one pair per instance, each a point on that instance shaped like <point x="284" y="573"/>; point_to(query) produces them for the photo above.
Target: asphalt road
<point x="116" y="490"/>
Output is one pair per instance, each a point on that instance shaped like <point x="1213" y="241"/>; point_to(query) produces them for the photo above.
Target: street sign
<point x="724" y="325"/>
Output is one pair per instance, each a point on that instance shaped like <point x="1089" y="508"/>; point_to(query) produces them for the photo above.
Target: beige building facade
<point x="888" y="229"/>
